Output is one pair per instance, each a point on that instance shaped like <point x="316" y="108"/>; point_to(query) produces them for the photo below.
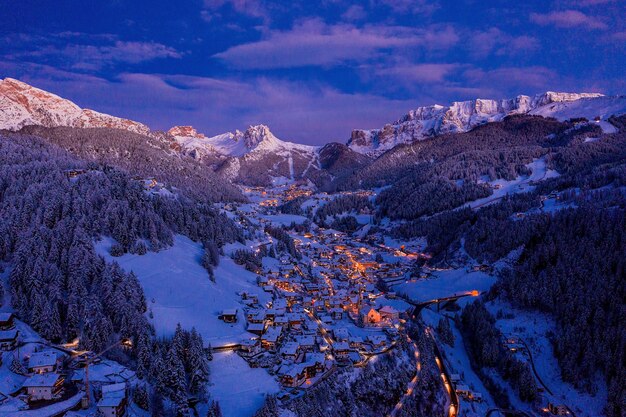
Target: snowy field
<point x="445" y="284"/>
<point x="239" y="389"/>
<point x="602" y="107"/>
<point x="178" y="290"/>
<point x="518" y="185"/>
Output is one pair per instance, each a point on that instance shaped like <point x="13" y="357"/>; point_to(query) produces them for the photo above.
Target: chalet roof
<point x="38" y="359"/>
<point x="42" y="380"/>
<point x="290" y="348"/>
<point x="376" y="338"/>
<point x="256" y="327"/>
<point x="314" y="358"/>
<point x="6" y="335"/>
<point x="388" y="309"/>
<point x="114" y="390"/>
<point x="229" y="312"/>
<point x="306" y="340"/>
<point x="341" y="346"/>
<point x="5" y="317"/>
<point x="110" y="401"/>
<point x="272" y="334"/>
<point x="366" y="310"/>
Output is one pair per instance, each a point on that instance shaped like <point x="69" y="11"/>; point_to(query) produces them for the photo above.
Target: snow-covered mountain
<point x="254" y="156"/>
<point x="462" y="116"/>
<point x="22" y="105"/>
<point x="257" y="139"/>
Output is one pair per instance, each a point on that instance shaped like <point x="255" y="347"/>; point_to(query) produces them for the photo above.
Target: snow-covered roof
<point x="8" y="335"/>
<point x="6" y="316"/>
<point x="42" y="380"/>
<point x="110" y="401"/>
<point x="39" y="359"/>
<point x="114" y="390"/>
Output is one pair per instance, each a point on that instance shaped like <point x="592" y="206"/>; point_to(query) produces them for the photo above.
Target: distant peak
<point x="186" y="131"/>
<point x="255" y="135"/>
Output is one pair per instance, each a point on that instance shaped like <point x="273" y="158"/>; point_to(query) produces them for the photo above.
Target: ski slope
<point x="178" y="290"/>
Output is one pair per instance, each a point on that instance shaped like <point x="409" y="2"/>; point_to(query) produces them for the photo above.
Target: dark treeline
<point x="417" y="195"/>
<point x="346" y="224"/>
<point x="438" y="174"/>
<point x="48" y="224"/>
<point x="484" y="345"/>
<point x="340" y="205"/>
<point x="284" y="242"/>
<point x="176" y="368"/>
<point x="148" y="157"/>
<point x="495" y="150"/>
<point x="569" y="262"/>
<point x="293" y="206"/>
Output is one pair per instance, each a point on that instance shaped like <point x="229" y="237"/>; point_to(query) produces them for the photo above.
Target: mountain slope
<point x="462" y="116"/>
<point x="23" y="105"/>
<point x="254" y="156"/>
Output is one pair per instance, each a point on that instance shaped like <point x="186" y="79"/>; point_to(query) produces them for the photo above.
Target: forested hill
<point x="568" y="261"/>
<point x="140" y="155"/>
<point x="49" y="220"/>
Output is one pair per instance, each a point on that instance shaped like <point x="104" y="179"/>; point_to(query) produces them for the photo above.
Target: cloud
<point x="520" y="79"/>
<point x="87" y="52"/>
<point x="418" y="73"/>
<point x="483" y="43"/>
<point x="567" y="19"/>
<point x="314" y="43"/>
<point x="424" y="7"/>
<point x="251" y="8"/>
<point x="354" y="12"/>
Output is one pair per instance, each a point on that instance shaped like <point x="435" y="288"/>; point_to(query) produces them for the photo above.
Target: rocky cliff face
<point x="23" y="105"/>
<point x="460" y="116"/>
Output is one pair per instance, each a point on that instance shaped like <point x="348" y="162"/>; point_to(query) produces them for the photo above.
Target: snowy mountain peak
<point x="185" y="131"/>
<point x="256" y="135"/>
<point x="22" y="104"/>
<point x="461" y="116"/>
<point x="254" y="139"/>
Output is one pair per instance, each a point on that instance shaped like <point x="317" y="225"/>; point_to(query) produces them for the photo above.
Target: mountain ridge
<point x="461" y="116"/>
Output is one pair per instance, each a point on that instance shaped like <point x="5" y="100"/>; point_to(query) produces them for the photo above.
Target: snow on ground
<point x="602" y="107"/>
<point x="522" y="184"/>
<point x="532" y="327"/>
<point x="445" y="284"/>
<point x="12" y="408"/>
<point x="239" y="389"/>
<point x="283" y="219"/>
<point x="178" y="290"/>
<point x="460" y="363"/>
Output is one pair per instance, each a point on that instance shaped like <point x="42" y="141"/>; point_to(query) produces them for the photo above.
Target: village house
<point x="8" y="339"/>
<point x="7" y="321"/>
<point x="290" y="351"/>
<point x="341" y="349"/>
<point x="43" y="386"/>
<point x="229" y="315"/>
<point x="256" y="328"/>
<point x="369" y="315"/>
<point x="307" y="343"/>
<point x="113" y="401"/>
<point x="271" y="338"/>
<point x="43" y="362"/>
<point x="249" y="345"/>
<point x="377" y="340"/>
<point x="389" y="314"/>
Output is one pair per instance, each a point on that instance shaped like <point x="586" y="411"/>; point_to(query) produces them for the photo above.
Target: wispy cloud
<point x="314" y="43"/>
<point x="568" y="19"/>
<point x="483" y="43"/>
<point x="87" y="52"/>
